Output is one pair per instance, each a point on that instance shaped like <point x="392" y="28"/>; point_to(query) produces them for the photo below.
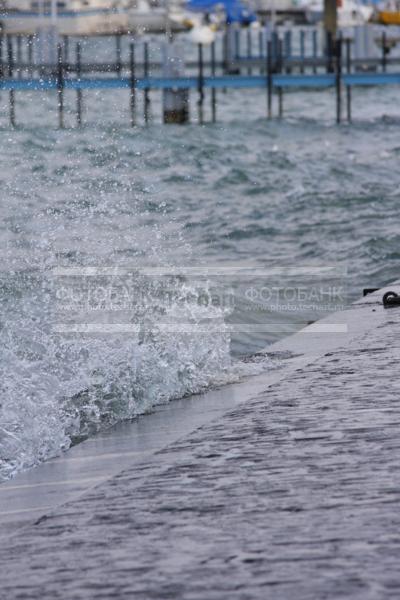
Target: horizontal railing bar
<point x="225" y="81"/>
<point x="69" y="67"/>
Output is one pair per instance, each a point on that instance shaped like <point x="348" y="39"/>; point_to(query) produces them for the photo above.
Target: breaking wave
<point x="58" y="388"/>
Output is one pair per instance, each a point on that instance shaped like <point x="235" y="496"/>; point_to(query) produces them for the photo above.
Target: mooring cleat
<point x="391" y="299"/>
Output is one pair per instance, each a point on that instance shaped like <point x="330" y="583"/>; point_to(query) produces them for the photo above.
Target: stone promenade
<point x="291" y="494"/>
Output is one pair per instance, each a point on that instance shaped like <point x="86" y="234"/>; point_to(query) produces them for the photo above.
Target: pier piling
<point x="118" y="65"/>
<point x="1" y="57"/>
<point x="200" y="85"/>
<point x="279" y="70"/>
<point x="315" y="48"/>
<point x="348" y="87"/>
<point x="213" y="90"/>
<point x="288" y="48"/>
<point x="66" y="48"/>
<point x="330" y="17"/>
<point x="384" y="51"/>
<point x="132" y="94"/>
<point x="249" y="50"/>
<point x="19" y="55"/>
<point x="269" y="79"/>
<point x="237" y="44"/>
<point x="30" y="42"/>
<point x="11" y="96"/>
<point x="302" y="49"/>
<point x="338" y="86"/>
<point x="79" y="99"/>
<point x="261" y="50"/>
<point x="225" y="49"/>
<point x="146" y="91"/>
<point x="60" y="86"/>
<point x="175" y="100"/>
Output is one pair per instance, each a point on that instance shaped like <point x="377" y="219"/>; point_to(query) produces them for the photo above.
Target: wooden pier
<point x="274" y="67"/>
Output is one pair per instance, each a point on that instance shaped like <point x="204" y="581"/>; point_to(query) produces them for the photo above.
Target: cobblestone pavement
<point x="292" y="495"/>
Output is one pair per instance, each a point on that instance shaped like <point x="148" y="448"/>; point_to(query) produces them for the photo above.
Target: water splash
<point x="60" y="388"/>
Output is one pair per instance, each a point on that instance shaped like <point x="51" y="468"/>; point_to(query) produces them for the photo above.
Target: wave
<point x="60" y="388"/>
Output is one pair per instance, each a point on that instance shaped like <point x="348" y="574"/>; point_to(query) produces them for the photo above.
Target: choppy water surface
<point x="280" y="199"/>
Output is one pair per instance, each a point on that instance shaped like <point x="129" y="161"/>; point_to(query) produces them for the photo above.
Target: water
<point x="280" y="200"/>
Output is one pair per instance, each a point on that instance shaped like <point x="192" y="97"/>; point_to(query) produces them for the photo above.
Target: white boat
<point x="146" y="16"/>
<point x="350" y="13"/>
<point x="68" y="17"/>
<point x="278" y="11"/>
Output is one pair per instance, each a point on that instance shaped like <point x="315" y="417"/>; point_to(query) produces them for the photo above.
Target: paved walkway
<point x="292" y="494"/>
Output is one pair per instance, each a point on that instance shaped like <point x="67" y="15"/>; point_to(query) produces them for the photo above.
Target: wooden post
<point x="249" y="50"/>
<point x="384" y="51"/>
<point x="348" y="87"/>
<point x="237" y="44"/>
<point x="66" y="48"/>
<point x="213" y="90"/>
<point x="225" y="49"/>
<point x="30" y="55"/>
<point x="79" y="99"/>
<point x="330" y="17"/>
<point x="175" y="101"/>
<point x="315" y="48"/>
<point x="280" y="69"/>
<point x="269" y="79"/>
<point x="1" y="56"/>
<point x="231" y="49"/>
<point x="288" y="48"/>
<point x="338" y="53"/>
<point x="146" y="89"/>
<point x="200" y="84"/>
<point x="10" y="60"/>
<point x="60" y="86"/>
<point x="302" y="44"/>
<point x="118" y="54"/>
<point x="132" y="95"/>
<point x="19" y="55"/>
<point x="329" y="52"/>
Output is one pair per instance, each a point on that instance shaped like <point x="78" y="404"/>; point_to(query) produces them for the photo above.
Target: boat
<point x="279" y="11"/>
<point x="68" y="17"/>
<point x="390" y="14"/>
<point x="229" y="11"/>
<point x="146" y="16"/>
<point x="350" y="13"/>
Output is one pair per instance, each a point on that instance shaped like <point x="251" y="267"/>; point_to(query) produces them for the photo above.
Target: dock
<point x="272" y="63"/>
<point x="286" y="485"/>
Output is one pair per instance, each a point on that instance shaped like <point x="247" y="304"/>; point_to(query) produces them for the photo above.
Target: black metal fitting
<point x="391" y="299"/>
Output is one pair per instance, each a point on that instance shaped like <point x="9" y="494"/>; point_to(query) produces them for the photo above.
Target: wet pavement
<point x="292" y="493"/>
